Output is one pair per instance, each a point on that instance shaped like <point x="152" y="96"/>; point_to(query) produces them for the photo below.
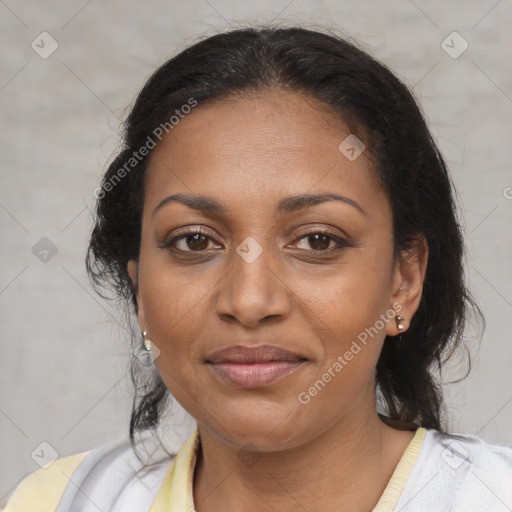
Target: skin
<point x="249" y="152"/>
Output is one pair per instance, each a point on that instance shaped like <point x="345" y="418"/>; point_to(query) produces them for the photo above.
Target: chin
<point x="270" y="427"/>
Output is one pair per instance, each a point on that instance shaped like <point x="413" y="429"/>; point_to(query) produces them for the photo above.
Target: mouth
<point x="254" y="367"/>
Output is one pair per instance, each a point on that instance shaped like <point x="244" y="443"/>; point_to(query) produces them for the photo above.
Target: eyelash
<point x="201" y="231"/>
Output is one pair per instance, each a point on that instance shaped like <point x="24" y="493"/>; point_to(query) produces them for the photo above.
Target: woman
<point x="283" y="226"/>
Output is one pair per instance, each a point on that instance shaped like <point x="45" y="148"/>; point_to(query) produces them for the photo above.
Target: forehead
<point x="258" y="145"/>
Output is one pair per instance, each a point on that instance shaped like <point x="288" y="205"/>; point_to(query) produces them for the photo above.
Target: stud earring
<point x="147" y="341"/>
<point x="400" y="326"/>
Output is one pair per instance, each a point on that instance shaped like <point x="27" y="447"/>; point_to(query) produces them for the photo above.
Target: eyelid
<point x="337" y="233"/>
<point x="188" y="231"/>
<point x="325" y="229"/>
<point x="340" y="241"/>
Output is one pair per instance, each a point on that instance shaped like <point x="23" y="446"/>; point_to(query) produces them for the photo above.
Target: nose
<point x="254" y="289"/>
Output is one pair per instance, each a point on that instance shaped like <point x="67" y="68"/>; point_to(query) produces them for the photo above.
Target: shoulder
<point x="485" y="465"/>
<point x="111" y="473"/>
<point x="460" y="473"/>
<point x="459" y="448"/>
<point x="42" y="489"/>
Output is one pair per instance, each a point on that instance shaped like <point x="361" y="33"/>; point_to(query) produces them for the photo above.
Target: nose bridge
<point x="252" y="289"/>
<point x="253" y="262"/>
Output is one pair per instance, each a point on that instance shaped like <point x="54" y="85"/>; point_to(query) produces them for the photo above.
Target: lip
<point x="254" y="367"/>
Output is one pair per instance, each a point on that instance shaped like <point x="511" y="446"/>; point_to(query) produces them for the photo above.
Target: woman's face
<point x="315" y="278"/>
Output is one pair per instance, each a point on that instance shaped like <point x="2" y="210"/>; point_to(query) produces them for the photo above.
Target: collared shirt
<point x="437" y="472"/>
<point x="177" y="491"/>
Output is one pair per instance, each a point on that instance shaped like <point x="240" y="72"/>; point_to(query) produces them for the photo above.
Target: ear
<point x="133" y="272"/>
<point x="407" y="288"/>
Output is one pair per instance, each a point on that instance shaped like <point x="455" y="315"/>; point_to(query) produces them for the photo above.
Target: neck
<point x="347" y="466"/>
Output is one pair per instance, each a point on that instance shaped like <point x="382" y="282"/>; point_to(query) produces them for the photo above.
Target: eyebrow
<point x="284" y="206"/>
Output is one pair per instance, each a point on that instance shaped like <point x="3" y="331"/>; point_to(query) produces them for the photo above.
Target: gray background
<point x="64" y="359"/>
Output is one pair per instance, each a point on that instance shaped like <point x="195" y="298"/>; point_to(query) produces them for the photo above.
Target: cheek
<point x="350" y="310"/>
<point x="352" y="321"/>
<point x="349" y="298"/>
<point x="174" y="309"/>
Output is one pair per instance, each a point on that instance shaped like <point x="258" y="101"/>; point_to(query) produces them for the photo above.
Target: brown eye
<point x="321" y="242"/>
<point x="196" y="242"/>
<point x="192" y="240"/>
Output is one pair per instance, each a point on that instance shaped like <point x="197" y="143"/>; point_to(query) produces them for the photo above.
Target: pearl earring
<point x="400" y="326"/>
<point x="147" y="341"/>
